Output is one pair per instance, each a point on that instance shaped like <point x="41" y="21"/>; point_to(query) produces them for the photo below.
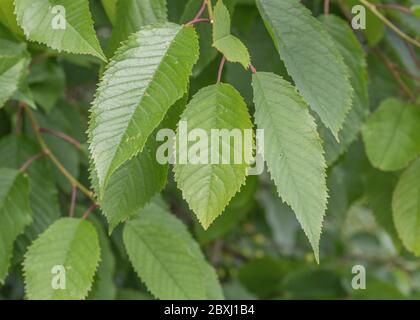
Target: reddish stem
<point x="88" y="211"/>
<point x="61" y="135"/>
<point x="201" y="11"/>
<point x="219" y="74"/>
<point x="31" y="160"/>
<point x="73" y="201"/>
<point x="393" y="6"/>
<point x="252" y="68"/>
<point x="198" y="20"/>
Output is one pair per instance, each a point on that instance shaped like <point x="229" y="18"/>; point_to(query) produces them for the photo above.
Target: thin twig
<point x="198" y="20"/>
<point x="393" y="6"/>
<point x="88" y="211"/>
<point x="31" y="160"/>
<point x="61" y="135"/>
<point x="252" y="68"/>
<point x="407" y="73"/>
<point x="396" y="75"/>
<point x="413" y="55"/>
<point x="219" y="74"/>
<point x="53" y="158"/>
<point x="201" y="11"/>
<point x="392" y="26"/>
<point x="73" y="201"/>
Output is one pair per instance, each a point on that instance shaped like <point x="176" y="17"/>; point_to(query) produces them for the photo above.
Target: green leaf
<point x="406" y="208"/>
<point x="134" y="184"/>
<point x="14" y="61"/>
<point x="293" y="151"/>
<point x="208" y="188"/>
<point x="110" y="7"/>
<point x="131" y="15"/>
<point x="47" y="82"/>
<point x="240" y="205"/>
<point x="148" y="74"/>
<point x="8" y="18"/>
<point x="104" y="287"/>
<point x="15" y="213"/>
<point x="11" y="72"/>
<point x="39" y="22"/>
<point x="392" y="135"/>
<point x="70" y="243"/>
<point x="230" y="46"/>
<point x="166" y="257"/>
<point x="311" y="58"/>
<point x="354" y="57"/>
<point x="415" y="9"/>
<point x="43" y="195"/>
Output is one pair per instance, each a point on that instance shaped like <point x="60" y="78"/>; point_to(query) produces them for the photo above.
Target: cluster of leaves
<point x="306" y="78"/>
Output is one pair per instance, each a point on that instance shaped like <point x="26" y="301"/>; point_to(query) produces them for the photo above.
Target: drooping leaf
<point x="311" y="58"/>
<point x="167" y="259"/>
<point x="131" y="15"/>
<point x="148" y="74"/>
<point x="392" y="135"/>
<point x="229" y="45"/>
<point x="354" y="57"/>
<point x="293" y="151"/>
<point x="15" y="213"/>
<point x="73" y="246"/>
<point x="70" y="30"/>
<point x="208" y="185"/>
<point x="134" y="184"/>
<point x="406" y="208"/>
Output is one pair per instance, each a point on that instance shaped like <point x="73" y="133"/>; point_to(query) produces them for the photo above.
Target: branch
<point x="396" y="75"/>
<point x="393" y="7"/>
<point x="372" y="7"/>
<point x="88" y="211"/>
<point x="73" y="201"/>
<point x="198" y="20"/>
<point x="73" y="181"/>
<point x="31" y="160"/>
<point x="61" y="135"/>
